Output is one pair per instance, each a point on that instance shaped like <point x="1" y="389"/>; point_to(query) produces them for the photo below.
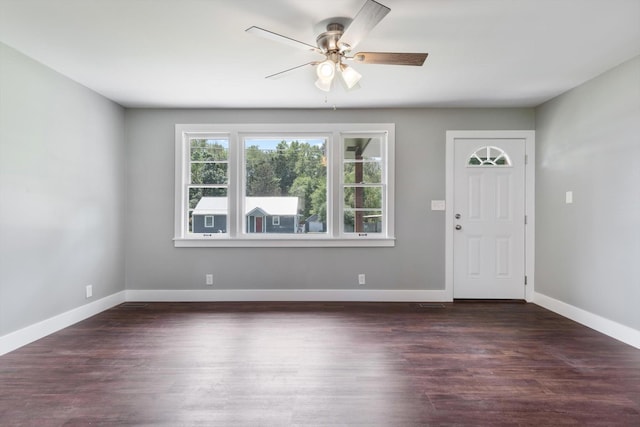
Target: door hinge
<point x="525" y="280"/>
<point x="526" y="159"/>
<point x="525" y="220"/>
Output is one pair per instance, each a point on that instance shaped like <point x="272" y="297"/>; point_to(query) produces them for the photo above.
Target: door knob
<point x="458" y="227"/>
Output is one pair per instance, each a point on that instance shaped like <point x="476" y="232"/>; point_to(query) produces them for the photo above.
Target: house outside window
<point x="284" y="185"/>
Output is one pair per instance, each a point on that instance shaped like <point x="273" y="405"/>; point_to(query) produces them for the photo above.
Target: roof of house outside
<point x="270" y="205"/>
<point x="211" y="206"/>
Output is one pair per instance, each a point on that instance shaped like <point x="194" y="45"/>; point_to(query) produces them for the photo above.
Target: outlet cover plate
<point x="568" y="197"/>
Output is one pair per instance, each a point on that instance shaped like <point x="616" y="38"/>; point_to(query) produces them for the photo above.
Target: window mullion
<point x="234" y="176"/>
<point x="335" y="186"/>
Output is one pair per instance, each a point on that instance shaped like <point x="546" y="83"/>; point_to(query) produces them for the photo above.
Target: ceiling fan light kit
<point x="336" y="44"/>
<point x="350" y="77"/>
<point x="326" y="70"/>
<point x="324" y="84"/>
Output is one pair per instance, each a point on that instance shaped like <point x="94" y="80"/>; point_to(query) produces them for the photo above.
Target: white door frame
<point x="529" y="140"/>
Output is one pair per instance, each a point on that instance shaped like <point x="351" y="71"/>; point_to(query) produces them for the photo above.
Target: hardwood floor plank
<point x="322" y="364"/>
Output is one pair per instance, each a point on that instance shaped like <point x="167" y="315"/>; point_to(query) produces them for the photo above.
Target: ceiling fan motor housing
<point x="328" y="41"/>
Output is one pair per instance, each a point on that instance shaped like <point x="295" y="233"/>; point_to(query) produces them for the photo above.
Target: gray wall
<point x="62" y="188"/>
<point x="417" y="261"/>
<point x="588" y="142"/>
<point x="64" y="165"/>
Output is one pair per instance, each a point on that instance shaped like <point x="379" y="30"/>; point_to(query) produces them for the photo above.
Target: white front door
<point x="489" y="219"/>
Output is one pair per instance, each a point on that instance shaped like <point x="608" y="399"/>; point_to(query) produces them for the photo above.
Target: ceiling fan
<point x="337" y="42"/>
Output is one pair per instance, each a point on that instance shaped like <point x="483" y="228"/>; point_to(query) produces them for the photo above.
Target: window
<point x="206" y="183"/>
<point x="489" y="156"/>
<point x="285" y="179"/>
<point x="284" y="185"/>
<point x="363" y="187"/>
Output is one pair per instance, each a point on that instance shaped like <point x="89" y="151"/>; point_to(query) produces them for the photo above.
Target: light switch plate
<point x="438" y="205"/>
<point x="568" y="197"/>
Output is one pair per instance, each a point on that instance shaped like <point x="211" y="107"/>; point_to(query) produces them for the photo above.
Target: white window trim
<point x="213" y="221"/>
<point x="235" y="236"/>
<point x="275" y="220"/>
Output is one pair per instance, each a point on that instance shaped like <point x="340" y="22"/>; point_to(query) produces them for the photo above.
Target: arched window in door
<point x="489" y="156"/>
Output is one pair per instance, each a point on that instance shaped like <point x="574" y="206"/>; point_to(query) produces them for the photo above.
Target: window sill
<point x="285" y="243"/>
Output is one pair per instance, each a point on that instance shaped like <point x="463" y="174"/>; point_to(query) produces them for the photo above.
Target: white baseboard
<point x="344" y="295"/>
<point x="29" y="334"/>
<point x="41" y="329"/>
<point x="46" y="327"/>
<point x="608" y="327"/>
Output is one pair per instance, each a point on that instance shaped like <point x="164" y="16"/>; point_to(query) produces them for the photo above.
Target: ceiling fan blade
<point x="368" y="17"/>
<point x="390" y="58"/>
<point x="282" y="39"/>
<point x="283" y="73"/>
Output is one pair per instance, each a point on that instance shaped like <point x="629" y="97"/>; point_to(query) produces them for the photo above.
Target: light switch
<point x="568" y="197"/>
<point x="438" y="205"/>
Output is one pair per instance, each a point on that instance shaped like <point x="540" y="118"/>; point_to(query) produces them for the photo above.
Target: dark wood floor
<point x="317" y="364"/>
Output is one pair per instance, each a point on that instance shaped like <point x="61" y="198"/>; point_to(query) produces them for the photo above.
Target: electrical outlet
<point x="568" y="197"/>
<point x="362" y="279"/>
<point x="88" y="291"/>
<point x="208" y="279"/>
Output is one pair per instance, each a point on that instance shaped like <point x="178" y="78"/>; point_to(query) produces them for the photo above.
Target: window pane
<point x="362" y="149"/>
<point x="363" y="179"/>
<point x="363" y="197"/>
<point x="209" y="173"/>
<point x="489" y="156"/>
<point x="208" y="202"/>
<point x="362" y="172"/>
<point x="209" y="149"/>
<point x="363" y="221"/>
<point x="287" y="178"/>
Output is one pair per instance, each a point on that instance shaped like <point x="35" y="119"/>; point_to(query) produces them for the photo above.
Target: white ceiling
<point x="195" y="53"/>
